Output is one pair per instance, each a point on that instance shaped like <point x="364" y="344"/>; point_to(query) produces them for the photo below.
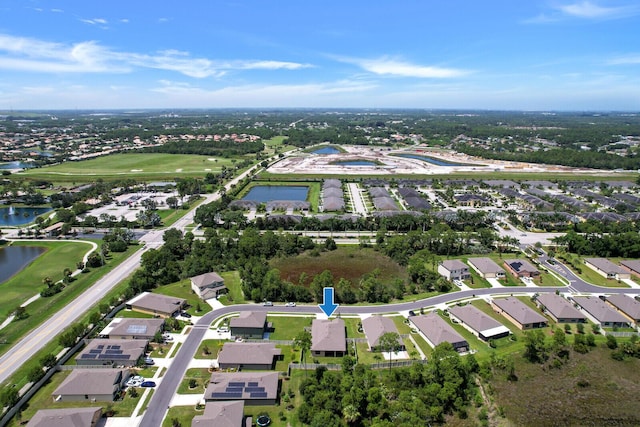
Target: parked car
<point x="290" y="304"/>
<point x="185" y="314"/>
<point x="148" y="384"/>
<point x="268" y="304"/>
<point x="149" y="361"/>
<point x="133" y="383"/>
<point x="223" y="329"/>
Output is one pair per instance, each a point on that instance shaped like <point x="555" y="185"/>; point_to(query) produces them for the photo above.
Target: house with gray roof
<point x="435" y="330"/>
<point x="208" y="285"/>
<point x="222" y="414"/>
<point x="254" y="388"/>
<point x="487" y="268"/>
<point x="112" y="352"/>
<point x="607" y="269"/>
<point x="601" y="313"/>
<point x="521" y="268"/>
<point x="559" y="309"/>
<point x="631" y="265"/>
<point x="91" y="385"/>
<point x="250" y="324"/>
<point x="477" y="322"/>
<point x="156" y="304"/>
<point x="248" y="356"/>
<point x="518" y="313"/>
<point x="629" y="307"/>
<point x="453" y="269"/>
<point x="375" y="327"/>
<point x="328" y="338"/>
<point x="66" y="417"/>
<point x="129" y="328"/>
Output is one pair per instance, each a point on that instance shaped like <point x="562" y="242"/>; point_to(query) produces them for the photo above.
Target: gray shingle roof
<point x="559" y="307"/>
<point x="605" y="265"/>
<point x="600" y="310"/>
<point x="90" y="381"/>
<point x="66" y="417"/>
<point x="626" y="304"/>
<point x="220" y="414"/>
<point x="328" y="335"/>
<point x="244" y="353"/>
<point x="376" y="326"/>
<point x="521" y="312"/>
<point x="249" y="319"/>
<point x="436" y="329"/>
<point x="485" y="265"/>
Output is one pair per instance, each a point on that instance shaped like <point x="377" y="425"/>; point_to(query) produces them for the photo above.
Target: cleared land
<point x="345" y="262"/>
<point x="143" y="167"/>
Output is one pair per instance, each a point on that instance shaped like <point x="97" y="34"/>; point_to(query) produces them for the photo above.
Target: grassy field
<point x="182" y="289"/>
<point x="141" y="167"/>
<point x="287" y="328"/>
<point x="590" y="389"/>
<point x="350" y="263"/>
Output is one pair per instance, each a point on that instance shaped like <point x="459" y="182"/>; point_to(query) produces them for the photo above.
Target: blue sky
<point x="489" y="54"/>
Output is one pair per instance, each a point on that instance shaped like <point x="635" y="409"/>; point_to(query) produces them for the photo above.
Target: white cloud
<point x="95" y="21"/>
<point x="26" y="54"/>
<point x="586" y="9"/>
<point x="393" y="67"/>
<point x="632" y="59"/>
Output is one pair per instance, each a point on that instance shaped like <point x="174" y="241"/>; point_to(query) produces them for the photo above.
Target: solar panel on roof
<point x="225" y="395"/>
<point x="137" y="329"/>
<point x="88" y="356"/>
<point x="113" y="351"/>
<point x="236" y="384"/>
<point x="253" y="389"/>
<point x="234" y="390"/>
<point x="257" y="395"/>
<point x="252" y="383"/>
<point x="101" y="346"/>
<point x="95" y="351"/>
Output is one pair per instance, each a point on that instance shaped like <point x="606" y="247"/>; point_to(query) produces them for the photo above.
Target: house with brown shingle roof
<point x="221" y="414"/>
<point x="248" y="356"/>
<point x="112" y="352"/>
<point x="208" y="285"/>
<point x="629" y="307"/>
<point x="156" y="304"/>
<point x="600" y="312"/>
<point x="250" y="324"/>
<point x="328" y="338"/>
<point x="631" y="265"/>
<point x="487" y="268"/>
<point x="66" y="417"/>
<point x="521" y="268"/>
<point x="435" y="330"/>
<point x="91" y="385"/>
<point x="477" y="322"/>
<point x="560" y="309"/>
<point x="518" y="313"/>
<point x="375" y="327"/>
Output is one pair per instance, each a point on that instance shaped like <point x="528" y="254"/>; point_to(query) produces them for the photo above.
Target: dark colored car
<point x="185" y="314"/>
<point x="148" y="384"/>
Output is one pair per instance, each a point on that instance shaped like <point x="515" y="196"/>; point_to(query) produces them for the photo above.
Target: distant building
<point x="518" y="313"/>
<point x="375" y="327"/>
<point x="435" y="330"/>
<point x="250" y="324"/>
<point x="607" y="269"/>
<point x="521" y="268"/>
<point x="248" y="356"/>
<point x="91" y="385"/>
<point x="208" y="285"/>
<point x="328" y="338"/>
<point x="478" y="323"/>
<point x="454" y="269"/>
<point x="631" y="265"/>
<point x="487" y="268"/>
<point x="66" y="417"/>
<point x="156" y="304"/>
<point x="629" y="307"/>
<point x="560" y="309"/>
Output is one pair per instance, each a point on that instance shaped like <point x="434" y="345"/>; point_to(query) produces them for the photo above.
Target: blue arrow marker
<point x="327" y="305"/>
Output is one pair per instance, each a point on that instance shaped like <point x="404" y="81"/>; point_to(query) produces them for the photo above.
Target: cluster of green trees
<point x="225" y="148"/>
<point x="413" y="396"/>
<point x="626" y="245"/>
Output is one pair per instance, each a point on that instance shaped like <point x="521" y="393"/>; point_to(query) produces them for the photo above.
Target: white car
<point x="290" y="304"/>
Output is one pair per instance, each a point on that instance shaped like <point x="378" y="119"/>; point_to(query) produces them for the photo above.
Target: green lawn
<point x="214" y="346"/>
<point x="141" y="167"/>
<point x="288" y="327"/>
<point x="200" y="375"/>
<point x="234" y="285"/>
<point x="595" y="278"/>
<point x="182" y="289"/>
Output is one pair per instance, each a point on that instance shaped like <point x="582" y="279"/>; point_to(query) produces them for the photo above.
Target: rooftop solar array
<point x="137" y="329"/>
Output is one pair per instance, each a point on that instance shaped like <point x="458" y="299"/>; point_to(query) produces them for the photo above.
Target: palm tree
<point x="303" y="342"/>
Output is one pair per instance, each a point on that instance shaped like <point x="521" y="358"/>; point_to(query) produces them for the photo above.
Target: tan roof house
<point x="629" y="307"/>
<point x="600" y="312"/>
<point x="91" y="385"/>
<point x="328" y="338"/>
<point x="487" y="268"/>
<point x="250" y="324"/>
<point x="221" y="414"/>
<point x="435" y="330"/>
<point x="518" y="313"/>
<point x="248" y="356"/>
<point x="607" y="269"/>
<point x="126" y="328"/>
<point x="521" y="268"/>
<point x="66" y="417"/>
<point x="375" y="327"/>
<point x="208" y="285"/>
<point x="560" y="309"/>
<point x="254" y="388"/>
<point x="156" y="304"/>
<point x="112" y="352"/>
<point x="478" y="323"/>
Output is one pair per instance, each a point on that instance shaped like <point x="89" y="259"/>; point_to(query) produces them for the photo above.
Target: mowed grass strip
<point x="148" y="166"/>
<point x="350" y="263"/>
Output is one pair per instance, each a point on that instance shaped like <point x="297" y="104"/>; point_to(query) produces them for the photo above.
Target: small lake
<point x="266" y="193"/>
<point x="14" y="258"/>
<point x="16" y="165"/>
<point x="10" y="216"/>
<point x="326" y="150"/>
<point x="355" y="163"/>
<point x="431" y="160"/>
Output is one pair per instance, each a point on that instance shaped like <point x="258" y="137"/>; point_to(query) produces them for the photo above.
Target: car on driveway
<point x="185" y="315"/>
<point x="148" y="384"/>
<point x="149" y="361"/>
